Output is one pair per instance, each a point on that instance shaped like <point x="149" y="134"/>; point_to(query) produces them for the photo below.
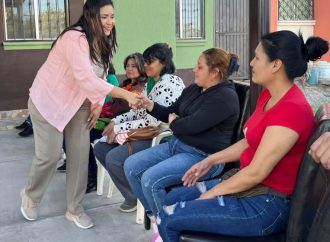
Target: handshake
<point x="140" y="101"/>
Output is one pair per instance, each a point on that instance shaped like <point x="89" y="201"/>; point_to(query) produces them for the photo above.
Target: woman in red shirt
<point x="255" y="200"/>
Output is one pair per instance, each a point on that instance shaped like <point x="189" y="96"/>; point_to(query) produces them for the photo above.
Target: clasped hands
<point x="136" y="102"/>
<point x="139" y="101"/>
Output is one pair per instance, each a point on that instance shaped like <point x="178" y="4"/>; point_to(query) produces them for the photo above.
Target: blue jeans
<point x="251" y="216"/>
<point x="150" y="171"/>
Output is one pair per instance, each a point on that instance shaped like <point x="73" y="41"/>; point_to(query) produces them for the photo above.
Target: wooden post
<point x="259" y="25"/>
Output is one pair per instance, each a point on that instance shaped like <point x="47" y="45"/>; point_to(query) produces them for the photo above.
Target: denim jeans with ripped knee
<point x="251" y="216"/>
<point x="151" y="171"/>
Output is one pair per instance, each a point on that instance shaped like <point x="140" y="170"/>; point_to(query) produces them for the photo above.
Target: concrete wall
<point x="322" y="18"/>
<point x="139" y="24"/>
<point x="19" y="65"/>
<point x="306" y="27"/>
<point x="188" y="51"/>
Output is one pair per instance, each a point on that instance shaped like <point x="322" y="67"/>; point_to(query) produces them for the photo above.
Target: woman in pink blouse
<point x="66" y="98"/>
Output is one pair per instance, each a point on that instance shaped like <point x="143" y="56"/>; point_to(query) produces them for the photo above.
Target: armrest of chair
<point x="158" y="138"/>
<point x="95" y="142"/>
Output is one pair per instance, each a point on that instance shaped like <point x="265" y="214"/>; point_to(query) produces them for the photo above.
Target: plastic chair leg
<point x="100" y="178"/>
<point x="139" y="213"/>
<point x="111" y="187"/>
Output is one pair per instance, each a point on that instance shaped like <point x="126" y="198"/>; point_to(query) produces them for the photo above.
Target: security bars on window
<point x="34" y="19"/>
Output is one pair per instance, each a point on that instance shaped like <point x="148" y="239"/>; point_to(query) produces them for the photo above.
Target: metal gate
<point x="232" y="31"/>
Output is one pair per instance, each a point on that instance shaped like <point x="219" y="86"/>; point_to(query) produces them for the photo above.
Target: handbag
<point x="145" y="133"/>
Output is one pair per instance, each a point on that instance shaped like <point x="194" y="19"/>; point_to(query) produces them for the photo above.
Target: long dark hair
<point x="292" y="51"/>
<point x="101" y="47"/>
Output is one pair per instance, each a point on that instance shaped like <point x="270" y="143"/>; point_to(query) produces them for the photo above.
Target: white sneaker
<point x="28" y="207"/>
<point x="82" y="220"/>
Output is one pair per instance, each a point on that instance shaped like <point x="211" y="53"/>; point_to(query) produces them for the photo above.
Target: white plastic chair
<point x="139" y="213"/>
<point x="102" y="175"/>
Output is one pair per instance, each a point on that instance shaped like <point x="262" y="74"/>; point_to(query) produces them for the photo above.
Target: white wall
<point x="306" y="27"/>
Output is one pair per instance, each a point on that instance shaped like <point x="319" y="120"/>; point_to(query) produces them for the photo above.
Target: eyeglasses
<point x="150" y="61"/>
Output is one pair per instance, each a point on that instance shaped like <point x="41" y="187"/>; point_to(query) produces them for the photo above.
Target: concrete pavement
<point x="110" y="224"/>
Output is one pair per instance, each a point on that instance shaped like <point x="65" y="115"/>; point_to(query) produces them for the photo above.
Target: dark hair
<point x="292" y="51"/>
<point x="163" y="53"/>
<point x="101" y="47"/>
<point x="219" y="59"/>
<point x="139" y="62"/>
<point x="111" y="70"/>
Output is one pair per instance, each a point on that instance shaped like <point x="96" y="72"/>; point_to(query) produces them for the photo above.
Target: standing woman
<point x="66" y="98"/>
<point x="254" y="201"/>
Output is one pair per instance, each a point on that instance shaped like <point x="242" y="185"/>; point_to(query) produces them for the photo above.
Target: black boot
<point x="23" y="125"/>
<point x="26" y="132"/>
<point x="91" y="185"/>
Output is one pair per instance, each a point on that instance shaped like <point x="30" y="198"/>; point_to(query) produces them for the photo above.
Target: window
<point x="190" y="19"/>
<point x="34" y="19"/>
<point x="295" y="10"/>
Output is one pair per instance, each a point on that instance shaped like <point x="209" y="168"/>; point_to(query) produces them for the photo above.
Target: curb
<point x="9" y="119"/>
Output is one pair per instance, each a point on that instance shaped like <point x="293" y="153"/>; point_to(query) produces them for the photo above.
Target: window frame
<point x="312" y="17"/>
<point x="7" y="40"/>
<point x="179" y="29"/>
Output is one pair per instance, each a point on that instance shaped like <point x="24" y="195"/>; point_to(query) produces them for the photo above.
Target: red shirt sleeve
<point x="290" y="115"/>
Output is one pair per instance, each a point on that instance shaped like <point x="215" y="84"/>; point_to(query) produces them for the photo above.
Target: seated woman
<point x="202" y="121"/>
<point x="255" y="201"/>
<point x="135" y="82"/>
<point x="162" y="87"/>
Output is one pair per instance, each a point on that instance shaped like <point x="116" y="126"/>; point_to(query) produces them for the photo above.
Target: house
<point x="29" y="27"/>
<point x="311" y="17"/>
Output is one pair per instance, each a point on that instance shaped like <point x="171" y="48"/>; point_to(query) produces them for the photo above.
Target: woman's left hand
<point x="108" y="129"/>
<point x="171" y="117"/>
<point x="147" y="103"/>
<point x="111" y="137"/>
<point x="94" y="115"/>
<point x="195" y="172"/>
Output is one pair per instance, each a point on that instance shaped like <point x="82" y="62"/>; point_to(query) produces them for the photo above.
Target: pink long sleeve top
<point x="66" y="80"/>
